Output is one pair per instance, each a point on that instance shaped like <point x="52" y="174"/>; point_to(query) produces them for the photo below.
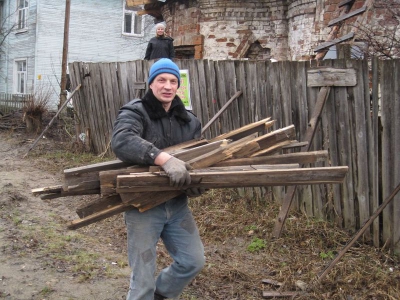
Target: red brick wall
<point x="287" y="30"/>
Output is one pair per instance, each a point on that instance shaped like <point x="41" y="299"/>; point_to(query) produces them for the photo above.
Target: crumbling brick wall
<point x="231" y="27"/>
<point x="263" y="29"/>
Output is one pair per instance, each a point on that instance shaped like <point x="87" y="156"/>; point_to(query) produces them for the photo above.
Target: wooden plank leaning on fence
<point x="287" y="201"/>
<point x="327" y="82"/>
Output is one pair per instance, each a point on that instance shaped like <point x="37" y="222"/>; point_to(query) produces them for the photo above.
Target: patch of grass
<point x="256" y="245"/>
<point x="16" y="220"/>
<point x="225" y="218"/>
<point x="250" y="227"/>
<point x="46" y="291"/>
<point x="328" y="255"/>
<point x="62" y="250"/>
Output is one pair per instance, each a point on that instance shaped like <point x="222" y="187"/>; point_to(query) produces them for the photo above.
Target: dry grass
<point x="229" y="223"/>
<point x="38" y="104"/>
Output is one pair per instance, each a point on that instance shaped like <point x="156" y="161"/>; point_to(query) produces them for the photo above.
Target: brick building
<point x="256" y="29"/>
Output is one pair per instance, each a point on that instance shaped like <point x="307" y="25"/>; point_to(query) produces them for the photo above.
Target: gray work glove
<point x="177" y="171"/>
<point x="195" y="192"/>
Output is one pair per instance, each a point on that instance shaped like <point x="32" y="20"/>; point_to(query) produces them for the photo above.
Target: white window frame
<point x="22" y="15"/>
<point x="133" y="15"/>
<point x="20" y="76"/>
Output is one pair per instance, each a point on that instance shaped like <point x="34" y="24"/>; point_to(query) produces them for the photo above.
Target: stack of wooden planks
<point x="246" y="157"/>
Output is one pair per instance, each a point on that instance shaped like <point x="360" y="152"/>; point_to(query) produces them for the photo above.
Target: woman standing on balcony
<point x="160" y="46"/>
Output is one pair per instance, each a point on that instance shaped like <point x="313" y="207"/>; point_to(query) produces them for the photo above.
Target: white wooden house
<point x="33" y="31"/>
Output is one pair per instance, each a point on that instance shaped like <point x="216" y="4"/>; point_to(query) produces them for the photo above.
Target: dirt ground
<point x="41" y="259"/>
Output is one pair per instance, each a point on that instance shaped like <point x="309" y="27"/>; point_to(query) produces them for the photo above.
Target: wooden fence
<point x="356" y="132"/>
<point x="13" y="102"/>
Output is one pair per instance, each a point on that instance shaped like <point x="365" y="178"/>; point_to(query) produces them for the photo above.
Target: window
<point x="22" y="14"/>
<point x="20" y="77"/>
<point x="133" y="23"/>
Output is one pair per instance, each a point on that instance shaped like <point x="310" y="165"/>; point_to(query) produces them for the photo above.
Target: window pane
<point x="23" y="3"/>
<point x="138" y="24"/>
<point x="21" y="77"/>
<point x="128" y="23"/>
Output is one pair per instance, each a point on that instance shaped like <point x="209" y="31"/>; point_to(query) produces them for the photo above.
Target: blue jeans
<point x="174" y="223"/>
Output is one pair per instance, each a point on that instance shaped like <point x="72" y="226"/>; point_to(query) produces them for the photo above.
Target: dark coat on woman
<point x="160" y="47"/>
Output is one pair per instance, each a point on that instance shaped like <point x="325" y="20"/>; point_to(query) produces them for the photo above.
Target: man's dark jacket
<point x="143" y="128"/>
<point x="160" y="47"/>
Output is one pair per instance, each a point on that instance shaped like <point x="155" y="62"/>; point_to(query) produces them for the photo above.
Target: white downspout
<point x="36" y="46"/>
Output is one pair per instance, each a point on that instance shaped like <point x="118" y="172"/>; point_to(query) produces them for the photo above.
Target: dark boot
<point x="158" y="297"/>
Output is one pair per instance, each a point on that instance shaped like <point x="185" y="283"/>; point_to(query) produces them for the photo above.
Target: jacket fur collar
<point x="155" y="110"/>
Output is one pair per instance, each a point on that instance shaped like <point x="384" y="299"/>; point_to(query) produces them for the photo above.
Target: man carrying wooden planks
<point x="142" y="128"/>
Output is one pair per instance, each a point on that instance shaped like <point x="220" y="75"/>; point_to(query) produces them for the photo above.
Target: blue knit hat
<point x="164" y="65"/>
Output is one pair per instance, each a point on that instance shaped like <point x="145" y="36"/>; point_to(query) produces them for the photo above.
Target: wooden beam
<point x="347" y="16"/>
<point x="146" y="200"/>
<point x="312" y="126"/>
<point x="133" y="3"/>
<point x="331" y="77"/>
<point x="188" y="154"/>
<point x="359" y="233"/>
<point x="273" y="149"/>
<point x="223" y="108"/>
<point x="109" y="165"/>
<point x="108" y="179"/>
<point x="47" y="190"/>
<point x="145" y="182"/>
<point x="222" y="153"/>
<point x="295" y="144"/>
<point x="290" y="158"/>
<point x="334" y="42"/>
<point x="345" y="2"/>
<point x="185" y="145"/>
<point x="274" y="137"/>
<point x="66" y="194"/>
<point x="151" y="12"/>
<point x="259" y="126"/>
<point x="98" y="205"/>
<point x="99" y="216"/>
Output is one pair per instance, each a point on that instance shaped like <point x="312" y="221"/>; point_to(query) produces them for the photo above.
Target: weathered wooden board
<point x="47" y="190"/>
<point x="334" y="42"/>
<point x="347" y="16"/>
<point x="345" y="2"/>
<point x="145" y="182"/>
<point x="290" y="158"/>
<point x="259" y="126"/>
<point x="331" y="77"/>
<point x="100" y="204"/>
<point x="361" y="146"/>
<point x="70" y="193"/>
<point x="98" y="216"/>
<point x="108" y="179"/>
<point x="272" y="138"/>
<point x="390" y="93"/>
